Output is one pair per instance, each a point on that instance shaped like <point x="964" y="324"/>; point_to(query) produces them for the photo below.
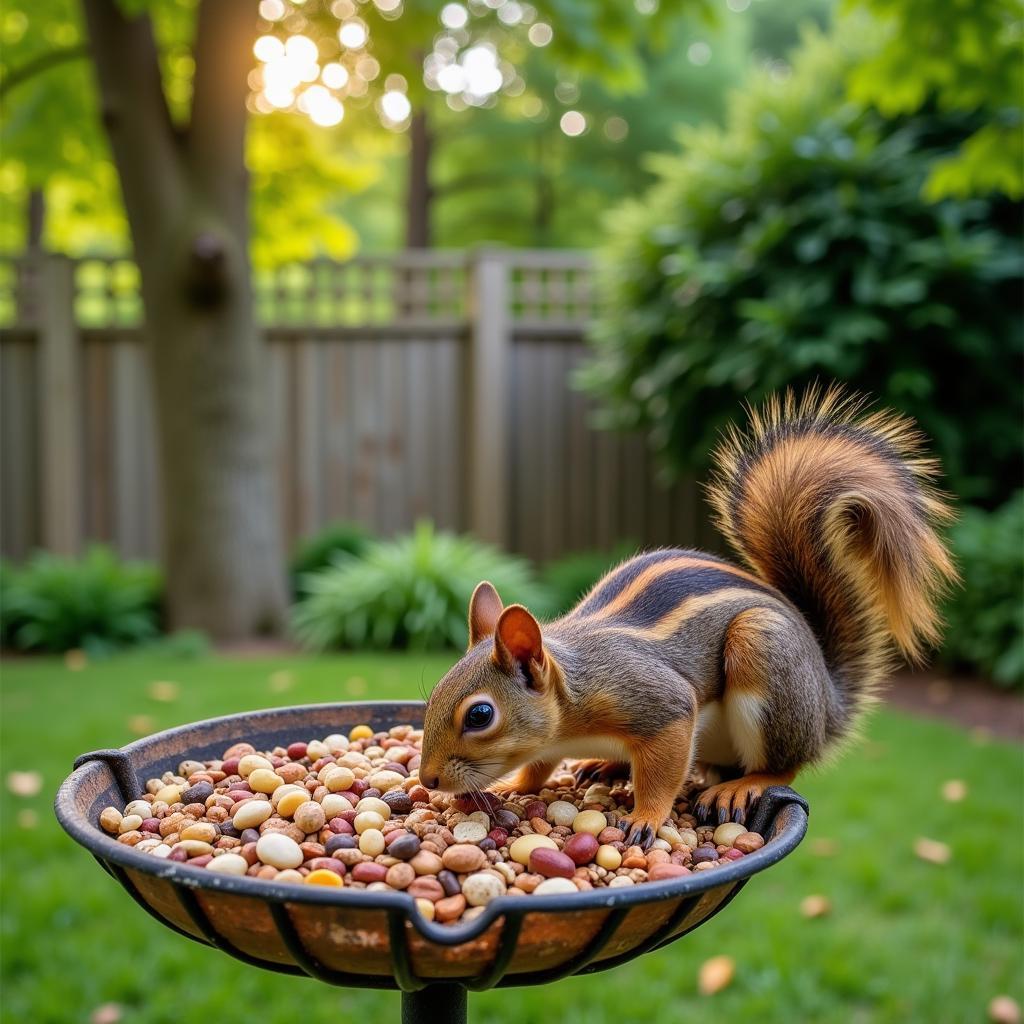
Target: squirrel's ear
<point x="484" y="609"/>
<point x="518" y="639"/>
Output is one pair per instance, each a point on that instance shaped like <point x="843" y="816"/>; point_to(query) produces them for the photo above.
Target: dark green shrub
<point x="985" y="631"/>
<point x="97" y="603"/>
<point x="568" y="579"/>
<point x="319" y="551"/>
<point x="412" y="592"/>
<point x="795" y="244"/>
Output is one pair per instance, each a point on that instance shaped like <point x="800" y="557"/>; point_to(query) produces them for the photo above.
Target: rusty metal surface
<point x="376" y="939"/>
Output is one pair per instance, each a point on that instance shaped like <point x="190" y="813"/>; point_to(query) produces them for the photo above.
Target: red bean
<point x="369" y="871"/>
<point x="551" y="863"/>
<point x="581" y="848"/>
<point x="662" y="871"/>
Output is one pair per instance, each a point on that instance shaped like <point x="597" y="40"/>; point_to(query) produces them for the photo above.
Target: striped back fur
<point x="836" y="508"/>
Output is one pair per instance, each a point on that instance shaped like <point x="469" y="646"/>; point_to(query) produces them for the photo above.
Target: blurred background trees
<point x="778" y="192"/>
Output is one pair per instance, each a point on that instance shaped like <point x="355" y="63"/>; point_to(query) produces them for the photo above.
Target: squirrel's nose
<point x="429" y="779"/>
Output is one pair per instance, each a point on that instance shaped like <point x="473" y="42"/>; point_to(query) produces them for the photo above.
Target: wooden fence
<point x="434" y="384"/>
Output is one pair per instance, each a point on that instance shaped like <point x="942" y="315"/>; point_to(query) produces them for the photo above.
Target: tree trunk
<point x="186" y="197"/>
<point x="35" y="221"/>
<point x="419" y="195"/>
<point x="222" y="544"/>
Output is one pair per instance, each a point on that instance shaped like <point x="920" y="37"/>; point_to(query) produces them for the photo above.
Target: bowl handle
<point x="120" y="765"/>
<point x="773" y="800"/>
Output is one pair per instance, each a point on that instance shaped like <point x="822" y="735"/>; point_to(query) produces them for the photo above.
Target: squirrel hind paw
<point x="733" y="800"/>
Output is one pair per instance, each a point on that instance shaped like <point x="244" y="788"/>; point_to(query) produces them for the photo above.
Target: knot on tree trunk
<point x="207" y="278"/>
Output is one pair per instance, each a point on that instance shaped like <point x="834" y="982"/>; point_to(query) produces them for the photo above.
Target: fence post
<point x="488" y="400"/>
<point x="60" y="420"/>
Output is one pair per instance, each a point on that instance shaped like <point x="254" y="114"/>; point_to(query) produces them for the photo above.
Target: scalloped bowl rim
<point x="91" y="836"/>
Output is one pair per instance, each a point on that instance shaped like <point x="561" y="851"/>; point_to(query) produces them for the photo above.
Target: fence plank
<point x="19" y="477"/>
<point x="487" y="398"/>
<point x="97" y="496"/>
<point x="59" y="408"/>
<point x="337" y="469"/>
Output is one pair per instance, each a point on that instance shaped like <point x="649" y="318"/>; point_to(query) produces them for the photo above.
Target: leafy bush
<point x="568" y="579"/>
<point x="795" y="244"/>
<point x="412" y="591"/>
<point x="320" y="551"/>
<point x="985" y="631"/>
<point x="97" y="603"/>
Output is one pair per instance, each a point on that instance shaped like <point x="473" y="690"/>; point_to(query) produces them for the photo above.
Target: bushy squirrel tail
<point x="836" y="508"/>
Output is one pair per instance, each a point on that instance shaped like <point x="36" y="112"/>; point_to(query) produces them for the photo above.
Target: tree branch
<point x="225" y="33"/>
<point x="137" y="121"/>
<point x="40" y="63"/>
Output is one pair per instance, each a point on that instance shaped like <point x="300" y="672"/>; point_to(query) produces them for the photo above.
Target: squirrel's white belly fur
<point x="714" y="743"/>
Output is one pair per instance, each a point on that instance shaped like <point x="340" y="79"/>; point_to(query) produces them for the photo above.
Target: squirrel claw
<point x="736" y="798"/>
<point x="640" y="835"/>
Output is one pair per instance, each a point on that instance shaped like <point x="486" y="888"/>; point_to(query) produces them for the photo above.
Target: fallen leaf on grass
<point x="141" y="725"/>
<point x="164" y="691"/>
<point x="27" y="819"/>
<point x="75" y="660"/>
<point x="24" y="783"/>
<point x="824" y="847"/>
<point x="1004" y="1010"/>
<point x="980" y="736"/>
<point x="281" y="681"/>
<point x="107" y="1013"/>
<point x="815" y="906"/>
<point x="356" y="686"/>
<point x="716" y="974"/>
<point x="954" y="791"/>
<point x="932" y="851"/>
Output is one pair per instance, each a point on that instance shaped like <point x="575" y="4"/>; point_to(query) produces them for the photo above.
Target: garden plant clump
<point x="350" y="812"/>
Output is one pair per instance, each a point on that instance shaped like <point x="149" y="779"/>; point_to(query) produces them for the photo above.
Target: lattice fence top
<point x="433" y="286"/>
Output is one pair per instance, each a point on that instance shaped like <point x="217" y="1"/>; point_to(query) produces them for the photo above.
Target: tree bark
<point x="35" y="221"/>
<point x="419" y="196"/>
<point x="186" y="198"/>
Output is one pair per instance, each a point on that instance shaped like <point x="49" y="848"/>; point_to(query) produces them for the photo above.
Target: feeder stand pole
<point x="435" y="1004"/>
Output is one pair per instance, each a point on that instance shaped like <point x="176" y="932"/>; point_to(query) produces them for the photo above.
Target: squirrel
<point x="677" y="656"/>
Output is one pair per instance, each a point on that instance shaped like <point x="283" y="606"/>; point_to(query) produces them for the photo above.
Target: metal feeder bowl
<point x="366" y="939"/>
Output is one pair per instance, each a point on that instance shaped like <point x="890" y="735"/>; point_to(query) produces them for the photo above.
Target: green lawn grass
<point x="905" y="941"/>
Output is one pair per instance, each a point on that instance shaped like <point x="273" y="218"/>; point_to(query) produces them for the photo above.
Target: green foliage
<point x="323" y="549"/>
<point x="985" y="619"/>
<point x="568" y="579"/>
<point x="795" y="244"/>
<point x="412" y="591"/>
<point x="97" y="603"/>
<point x="963" y="57"/>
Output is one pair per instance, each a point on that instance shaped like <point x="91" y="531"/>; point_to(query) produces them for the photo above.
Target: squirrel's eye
<point x="479" y="716"/>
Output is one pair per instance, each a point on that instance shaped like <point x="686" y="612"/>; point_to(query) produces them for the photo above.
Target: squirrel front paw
<point x="531" y="778"/>
<point x="505" y="787"/>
